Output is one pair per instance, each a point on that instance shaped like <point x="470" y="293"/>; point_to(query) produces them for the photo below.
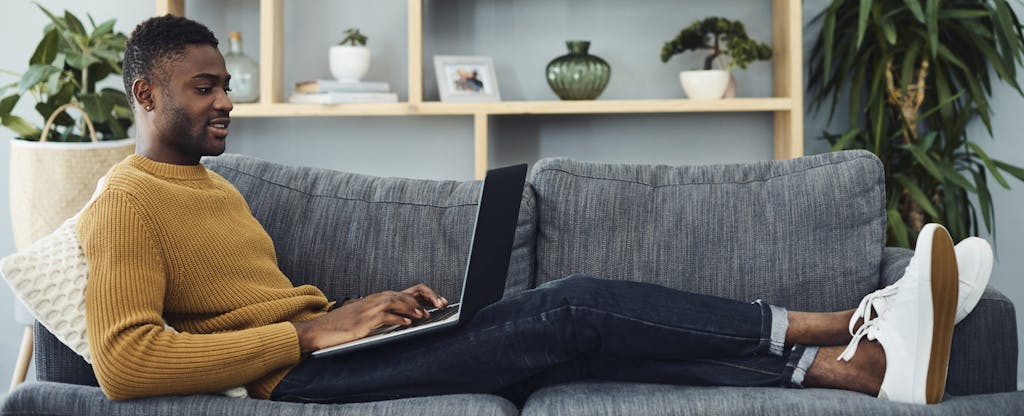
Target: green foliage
<point x="65" y="67"/>
<point x="723" y="37"/>
<point x="916" y="73"/>
<point x="353" y="38"/>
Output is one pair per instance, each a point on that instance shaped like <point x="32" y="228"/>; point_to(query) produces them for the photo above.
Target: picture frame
<point x="466" y="78"/>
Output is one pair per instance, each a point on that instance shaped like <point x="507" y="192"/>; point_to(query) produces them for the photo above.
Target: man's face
<point x="193" y="106"/>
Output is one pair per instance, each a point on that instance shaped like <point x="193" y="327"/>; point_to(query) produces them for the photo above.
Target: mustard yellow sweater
<point x="178" y="243"/>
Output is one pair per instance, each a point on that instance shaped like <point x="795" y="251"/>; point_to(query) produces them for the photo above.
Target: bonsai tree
<point x="722" y="37"/>
<point x="916" y="75"/>
<point x="353" y="38"/>
<point x="65" y="67"/>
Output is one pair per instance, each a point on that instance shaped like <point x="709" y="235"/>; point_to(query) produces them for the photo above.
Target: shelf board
<point x="514" y="107"/>
<point x="319" y="110"/>
<point x="611" y="106"/>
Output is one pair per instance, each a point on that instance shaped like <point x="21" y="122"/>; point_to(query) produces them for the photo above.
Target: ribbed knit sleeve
<point x="133" y="354"/>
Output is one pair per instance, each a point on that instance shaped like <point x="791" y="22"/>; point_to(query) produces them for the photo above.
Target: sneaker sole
<point x="944" y="286"/>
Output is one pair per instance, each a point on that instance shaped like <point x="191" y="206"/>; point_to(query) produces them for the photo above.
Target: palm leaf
<point x="910" y="61"/>
<point x="828" y="31"/>
<point x="897" y="227"/>
<point x="844" y="141"/>
<point x="925" y="160"/>
<point x="932" y="16"/>
<point x="989" y="164"/>
<point x="862" y="20"/>
<point x="917" y="195"/>
<point x="1011" y="169"/>
<point x="952" y="176"/>
<point x="915" y="8"/>
<point x="958" y="14"/>
<point x="984" y="199"/>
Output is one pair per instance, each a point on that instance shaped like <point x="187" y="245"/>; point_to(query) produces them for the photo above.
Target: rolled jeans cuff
<point x="775" y="327"/>
<point x="800" y="360"/>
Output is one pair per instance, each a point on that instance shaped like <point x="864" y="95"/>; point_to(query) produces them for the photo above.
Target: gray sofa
<point x="806" y="233"/>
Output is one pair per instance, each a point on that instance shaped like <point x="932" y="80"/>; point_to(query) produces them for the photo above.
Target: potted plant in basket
<point x="350" y="58"/>
<point x="724" y="38"/>
<point x="55" y="167"/>
<point x="916" y="74"/>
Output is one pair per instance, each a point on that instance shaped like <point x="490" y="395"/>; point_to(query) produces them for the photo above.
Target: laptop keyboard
<point x="436" y="315"/>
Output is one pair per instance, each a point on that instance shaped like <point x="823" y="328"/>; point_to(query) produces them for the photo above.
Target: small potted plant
<point x="724" y="38"/>
<point x="350" y="58"/>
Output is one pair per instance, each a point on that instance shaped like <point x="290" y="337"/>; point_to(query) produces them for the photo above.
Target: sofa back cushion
<point x="348" y="234"/>
<point x="351" y="235"/>
<point x="805" y="233"/>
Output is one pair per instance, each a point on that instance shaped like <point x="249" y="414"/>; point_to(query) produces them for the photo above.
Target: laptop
<point x="490" y="251"/>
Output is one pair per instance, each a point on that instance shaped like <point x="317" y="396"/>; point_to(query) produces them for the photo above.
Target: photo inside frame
<point x="468" y="79"/>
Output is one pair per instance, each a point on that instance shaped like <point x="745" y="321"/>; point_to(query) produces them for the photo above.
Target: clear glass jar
<point x="245" y="73"/>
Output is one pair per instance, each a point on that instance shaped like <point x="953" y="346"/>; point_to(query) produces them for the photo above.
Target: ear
<point x="142" y="93"/>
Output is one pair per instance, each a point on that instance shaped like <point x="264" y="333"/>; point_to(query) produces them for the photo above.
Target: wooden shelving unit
<point x="786" y="106"/>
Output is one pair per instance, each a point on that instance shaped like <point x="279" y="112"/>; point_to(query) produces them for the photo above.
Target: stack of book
<point x="329" y="91"/>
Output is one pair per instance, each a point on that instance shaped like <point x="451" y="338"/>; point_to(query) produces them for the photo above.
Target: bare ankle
<point x="828" y="328"/>
<point x="863" y="373"/>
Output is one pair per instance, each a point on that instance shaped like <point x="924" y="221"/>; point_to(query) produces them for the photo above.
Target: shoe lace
<point x="877" y="302"/>
<point x="869" y="330"/>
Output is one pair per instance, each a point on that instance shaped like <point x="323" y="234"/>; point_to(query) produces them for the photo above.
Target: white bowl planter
<point x="349" y="63"/>
<point x="704" y="84"/>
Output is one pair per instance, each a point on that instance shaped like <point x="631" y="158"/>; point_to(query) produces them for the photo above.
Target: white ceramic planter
<point x="349" y="63"/>
<point x="704" y="84"/>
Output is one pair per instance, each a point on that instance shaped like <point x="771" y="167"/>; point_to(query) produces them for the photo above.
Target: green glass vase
<point x="578" y="75"/>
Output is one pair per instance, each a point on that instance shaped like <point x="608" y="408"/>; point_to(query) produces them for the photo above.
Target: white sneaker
<point x="974" y="266"/>
<point x="974" y="263"/>
<point x="916" y="329"/>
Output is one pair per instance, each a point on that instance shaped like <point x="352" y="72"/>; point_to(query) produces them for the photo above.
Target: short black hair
<point x="156" y="41"/>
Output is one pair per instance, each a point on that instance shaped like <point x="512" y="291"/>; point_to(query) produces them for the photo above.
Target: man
<point x="168" y="240"/>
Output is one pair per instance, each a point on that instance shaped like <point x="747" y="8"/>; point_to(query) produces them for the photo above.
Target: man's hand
<point x="356" y="318"/>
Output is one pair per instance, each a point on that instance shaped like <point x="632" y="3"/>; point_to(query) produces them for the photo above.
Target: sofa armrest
<point x="894" y="260"/>
<point x="59" y="399"/>
<point x="984" y="353"/>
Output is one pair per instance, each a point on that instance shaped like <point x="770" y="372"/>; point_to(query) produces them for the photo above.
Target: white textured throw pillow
<point x="50" y="276"/>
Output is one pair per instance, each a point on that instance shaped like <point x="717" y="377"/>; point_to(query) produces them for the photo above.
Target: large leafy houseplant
<point x="50" y="181"/>
<point x="67" y="64"/>
<point x="916" y="74"/>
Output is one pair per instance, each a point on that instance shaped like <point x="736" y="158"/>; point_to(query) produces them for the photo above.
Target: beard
<point x="188" y="137"/>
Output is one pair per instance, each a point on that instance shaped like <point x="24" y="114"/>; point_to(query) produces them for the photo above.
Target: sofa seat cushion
<point x="56" y="399"/>
<point x="352" y="235"/>
<point x="611" y="398"/>
<point x="804" y="233"/>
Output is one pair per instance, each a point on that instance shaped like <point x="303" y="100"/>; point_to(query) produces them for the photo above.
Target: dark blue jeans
<point x="571" y="329"/>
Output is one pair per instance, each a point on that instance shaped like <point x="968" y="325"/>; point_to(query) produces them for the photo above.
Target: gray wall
<point x="521" y="36"/>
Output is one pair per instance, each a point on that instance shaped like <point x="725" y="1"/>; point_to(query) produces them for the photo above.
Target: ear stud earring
<point x="149" y="108"/>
